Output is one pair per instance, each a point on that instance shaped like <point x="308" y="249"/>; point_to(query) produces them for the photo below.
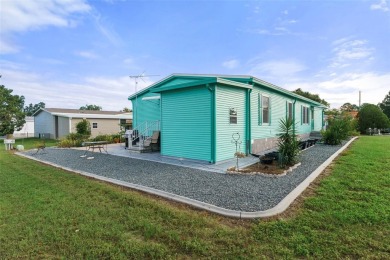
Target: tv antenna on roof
<point x="140" y="76"/>
<point x="136" y="78"/>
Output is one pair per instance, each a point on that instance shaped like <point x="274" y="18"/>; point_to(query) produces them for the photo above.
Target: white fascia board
<point x="119" y="116"/>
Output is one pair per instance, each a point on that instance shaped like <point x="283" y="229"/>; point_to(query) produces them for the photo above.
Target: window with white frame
<point x="289" y="112"/>
<point x="94" y="125"/>
<point x="305" y="115"/>
<point x="232" y="116"/>
<point x="265" y="109"/>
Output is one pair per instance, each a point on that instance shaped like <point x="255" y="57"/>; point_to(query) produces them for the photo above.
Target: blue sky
<point x="68" y="53"/>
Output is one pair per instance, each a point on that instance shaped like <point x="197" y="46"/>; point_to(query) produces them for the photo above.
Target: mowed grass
<point x="50" y="213"/>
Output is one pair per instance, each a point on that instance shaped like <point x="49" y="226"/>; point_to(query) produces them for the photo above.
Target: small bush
<point x="114" y="138"/>
<point x="287" y="143"/>
<point x="73" y="140"/>
<point x="84" y="128"/>
<point x="107" y="138"/>
<point x="338" y="130"/>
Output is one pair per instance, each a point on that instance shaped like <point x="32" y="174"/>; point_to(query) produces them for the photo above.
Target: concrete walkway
<point x="119" y="150"/>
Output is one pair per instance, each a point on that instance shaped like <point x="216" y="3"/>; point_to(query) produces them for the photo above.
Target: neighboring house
<point x="27" y="130"/>
<point x="198" y="114"/>
<point x="58" y="122"/>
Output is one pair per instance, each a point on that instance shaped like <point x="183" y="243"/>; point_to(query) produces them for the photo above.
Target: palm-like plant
<point x="287" y="143"/>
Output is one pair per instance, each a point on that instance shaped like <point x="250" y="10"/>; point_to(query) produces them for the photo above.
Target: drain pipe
<point x="295" y="100"/>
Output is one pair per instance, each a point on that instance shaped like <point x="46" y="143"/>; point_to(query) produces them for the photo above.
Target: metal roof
<point x="245" y="81"/>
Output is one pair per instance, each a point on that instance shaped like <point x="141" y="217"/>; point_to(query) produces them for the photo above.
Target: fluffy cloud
<point x="345" y="88"/>
<point x="109" y="93"/>
<point x="20" y="15"/>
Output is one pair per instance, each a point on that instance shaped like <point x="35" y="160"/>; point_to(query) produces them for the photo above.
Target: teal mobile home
<point x="198" y="114"/>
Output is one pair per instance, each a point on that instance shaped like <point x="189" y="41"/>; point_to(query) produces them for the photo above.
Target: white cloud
<point x="345" y="88"/>
<point x="347" y="50"/>
<point x="6" y="47"/>
<point x="231" y="64"/>
<point x="20" y="16"/>
<point x="87" y="54"/>
<point x="382" y="6"/>
<point x="111" y="93"/>
<point x="277" y="68"/>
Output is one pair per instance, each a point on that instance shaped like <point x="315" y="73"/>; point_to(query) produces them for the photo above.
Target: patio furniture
<point x="91" y="146"/>
<point x="155" y="141"/>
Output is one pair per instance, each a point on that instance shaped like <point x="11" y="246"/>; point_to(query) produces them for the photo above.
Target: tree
<point x="332" y="112"/>
<point x="91" y="107"/>
<point x="12" y="116"/>
<point x="385" y="105"/>
<point x="127" y="110"/>
<point x="308" y="95"/>
<point x="348" y="107"/>
<point x="371" y="116"/>
<point x="31" y="109"/>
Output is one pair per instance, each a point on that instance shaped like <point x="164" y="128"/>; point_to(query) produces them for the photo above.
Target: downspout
<point x="70" y="125"/>
<point x="248" y="123"/>
<point x="295" y="100"/>
<point x="213" y="117"/>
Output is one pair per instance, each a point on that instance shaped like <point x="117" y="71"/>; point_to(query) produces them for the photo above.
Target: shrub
<point x="114" y="138"/>
<point x="338" y="130"/>
<point x="72" y="140"/>
<point x="84" y="128"/>
<point x="107" y="138"/>
<point x="287" y="144"/>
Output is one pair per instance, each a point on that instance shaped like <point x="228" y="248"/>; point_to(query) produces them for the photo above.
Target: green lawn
<point x="49" y="213"/>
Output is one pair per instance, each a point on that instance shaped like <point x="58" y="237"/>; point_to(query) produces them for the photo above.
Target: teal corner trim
<point x="248" y="122"/>
<point x="215" y="124"/>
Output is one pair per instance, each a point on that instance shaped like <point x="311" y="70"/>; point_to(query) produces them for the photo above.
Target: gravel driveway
<point x="235" y="192"/>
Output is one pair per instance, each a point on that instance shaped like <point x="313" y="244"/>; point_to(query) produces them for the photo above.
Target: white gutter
<point x="151" y="98"/>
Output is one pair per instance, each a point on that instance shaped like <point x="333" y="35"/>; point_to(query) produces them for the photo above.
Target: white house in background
<point x="55" y="123"/>
<point x="27" y="130"/>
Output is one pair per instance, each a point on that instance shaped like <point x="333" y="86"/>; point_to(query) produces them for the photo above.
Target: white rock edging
<point x="279" y="208"/>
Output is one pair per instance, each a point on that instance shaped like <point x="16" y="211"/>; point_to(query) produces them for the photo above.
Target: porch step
<point x="315" y="134"/>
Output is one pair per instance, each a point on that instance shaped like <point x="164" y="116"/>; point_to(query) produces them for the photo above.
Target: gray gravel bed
<point x="230" y="191"/>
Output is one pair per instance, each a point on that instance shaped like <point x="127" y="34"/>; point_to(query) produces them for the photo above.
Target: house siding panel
<point x="146" y="110"/>
<point x="277" y="111"/>
<point x="44" y="123"/>
<point x="186" y="123"/>
<point x="105" y="126"/>
<point x="317" y="119"/>
<point x="226" y="98"/>
<point x="264" y="136"/>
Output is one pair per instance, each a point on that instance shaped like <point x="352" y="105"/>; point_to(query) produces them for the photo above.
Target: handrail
<point x="145" y="130"/>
